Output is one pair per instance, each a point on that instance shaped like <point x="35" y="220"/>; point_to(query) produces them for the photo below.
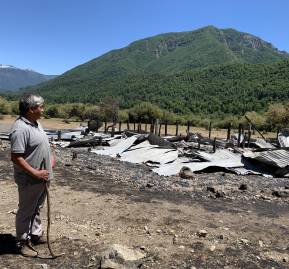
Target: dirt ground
<point x="99" y="201"/>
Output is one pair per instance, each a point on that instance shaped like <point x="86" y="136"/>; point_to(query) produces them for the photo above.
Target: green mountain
<point x="151" y="69"/>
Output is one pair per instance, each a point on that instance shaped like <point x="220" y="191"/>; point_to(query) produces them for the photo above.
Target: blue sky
<point x="53" y="36"/>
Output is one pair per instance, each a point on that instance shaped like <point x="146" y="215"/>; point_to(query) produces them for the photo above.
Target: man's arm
<point x="18" y="159"/>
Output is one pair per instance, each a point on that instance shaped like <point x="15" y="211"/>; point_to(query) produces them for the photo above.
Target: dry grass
<point x="46" y="123"/>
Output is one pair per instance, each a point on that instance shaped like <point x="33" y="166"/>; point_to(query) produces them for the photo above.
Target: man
<point x="32" y="159"/>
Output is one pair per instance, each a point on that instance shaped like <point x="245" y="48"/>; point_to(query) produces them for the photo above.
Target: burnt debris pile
<point x="172" y="155"/>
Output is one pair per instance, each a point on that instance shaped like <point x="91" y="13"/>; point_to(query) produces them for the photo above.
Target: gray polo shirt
<point x="30" y="139"/>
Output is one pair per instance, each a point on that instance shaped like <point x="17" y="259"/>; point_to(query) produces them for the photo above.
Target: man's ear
<point x="30" y="110"/>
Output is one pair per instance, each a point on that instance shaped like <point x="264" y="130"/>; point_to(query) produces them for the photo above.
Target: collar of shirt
<point x="28" y="122"/>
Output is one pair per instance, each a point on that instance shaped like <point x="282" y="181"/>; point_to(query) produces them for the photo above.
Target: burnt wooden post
<point x="166" y="128"/>
<point x="214" y="145"/>
<point x="277" y="133"/>
<point x="249" y="138"/>
<point x="229" y="131"/>
<point x="255" y="128"/>
<point x="105" y="126"/>
<point x="156" y="126"/>
<point x="244" y="136"/>
<point x="177" y="128"/>
<point x="127" y="124"/>
<point x="199" y="143"/>
<point x="152" y="126"/>
<point x="160" y="129"/>
<point x="59" y="135"/>
<point x="139" y="127"/>
<point x="146" y="126"/>
<point x="112" y="129"/>
<point x="239" y="134"/>
<point x="97" y="124"/>
<point x="119" y="126"/>
<point x="134" y="125"/>
<point x="188" y="127"/>
<point x="99" y="141"/>
<point x="249" y="135"/>
<point x="210" y="129"/>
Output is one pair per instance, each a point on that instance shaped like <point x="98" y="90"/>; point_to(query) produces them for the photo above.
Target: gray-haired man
<point x="32" y="158"/>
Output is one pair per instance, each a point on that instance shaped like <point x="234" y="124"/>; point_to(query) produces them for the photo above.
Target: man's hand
<point x="41" y="174"/>
<point x="19" y="160"/>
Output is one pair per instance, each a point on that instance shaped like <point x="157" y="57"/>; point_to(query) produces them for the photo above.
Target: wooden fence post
<point x="249" y="138"/>
<point x="156" y="126"/>
<point x="160" y="129"/>
<point x="229" y="131"/>
<point x="152" y="126"/>
<point x="112" y="129"/>
<point x="210" y="129"/>
<point x="105" y="126"/>
<point x="166" y="128"/>
<point x="177" y="128"/>
<point x="214" y="145"/>
<point x="59" y="135"/>
<point x="239" y="134"/>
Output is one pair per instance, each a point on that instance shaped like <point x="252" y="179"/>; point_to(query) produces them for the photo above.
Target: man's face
<point x="37" y="112"/>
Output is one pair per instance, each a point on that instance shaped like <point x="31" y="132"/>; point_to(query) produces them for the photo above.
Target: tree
<point x="258" y="120"/>
<point x="92" y="113"/>
<point x="168" y="117"/>
<point x="52" y="111"/>
<point x="276" y="115"/>
<point x="5" y="107"/>
<point x="109" y="108"/>
<point x="145" y="111"/>
<point x="123" y="115"/>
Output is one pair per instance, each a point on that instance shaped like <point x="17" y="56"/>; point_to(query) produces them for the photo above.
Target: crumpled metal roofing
<point x="276" y="158"/>
<point x="146" y="154"/>
<point x="261" y="143"/>
<point x="120" y="147"/>
<point x="283" y="140"/>
<point x="221" y="158"/>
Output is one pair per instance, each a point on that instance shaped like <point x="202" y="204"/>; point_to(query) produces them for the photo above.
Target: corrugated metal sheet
<point x="156" y="155"/>
<point x="123" y="145"/>
<point x="283" y="140"/>
<point x="221" y="158"/>
<point x="276" y="158"/>
<point x="261" y="143"/>
<point x="220" y="154"/>
<point x="4" y="136"/>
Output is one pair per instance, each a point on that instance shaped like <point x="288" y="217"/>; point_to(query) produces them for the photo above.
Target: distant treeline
<point x="275" y="117"/>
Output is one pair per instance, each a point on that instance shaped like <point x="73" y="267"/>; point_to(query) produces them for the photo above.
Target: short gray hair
<point x="29" y="101"/>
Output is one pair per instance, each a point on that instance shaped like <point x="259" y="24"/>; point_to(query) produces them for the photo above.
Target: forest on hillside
<point x="217" y="91"/>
